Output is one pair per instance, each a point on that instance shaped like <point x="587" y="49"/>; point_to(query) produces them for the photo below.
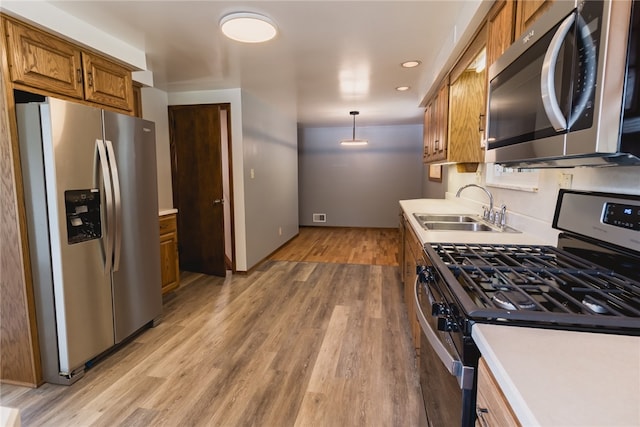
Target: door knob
<point x="218" y="201"/>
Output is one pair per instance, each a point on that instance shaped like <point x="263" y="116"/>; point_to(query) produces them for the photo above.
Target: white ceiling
<point x="328" y="58"/>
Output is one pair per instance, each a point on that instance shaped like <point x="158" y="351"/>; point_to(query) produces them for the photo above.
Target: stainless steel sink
<point x="444" y="218"/>
<point x="458" y="226"/>
<point x="453" y="222"/>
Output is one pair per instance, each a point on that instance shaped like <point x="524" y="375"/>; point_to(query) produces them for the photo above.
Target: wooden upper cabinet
<point x="106" y="82"/>
<point x="427" y="134"/>
<point x="467" y="97"/>
<point x="43" y="61"/>
<point x="441" y="122"/>
<point x="435" y="125"/>
<point x="500" y="29"/>
<point x="52" y="65"/>
<point x="527" y="11"/>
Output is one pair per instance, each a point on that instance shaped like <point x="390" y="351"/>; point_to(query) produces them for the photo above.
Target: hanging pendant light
<point x="353" y="140"/>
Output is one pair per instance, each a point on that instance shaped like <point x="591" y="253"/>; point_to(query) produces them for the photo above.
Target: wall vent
<point x="319" y="217"/>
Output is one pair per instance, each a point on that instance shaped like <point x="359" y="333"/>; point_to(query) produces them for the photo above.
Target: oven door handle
<point x="464" y="374"/>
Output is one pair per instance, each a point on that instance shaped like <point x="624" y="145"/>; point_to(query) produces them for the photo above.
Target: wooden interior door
<point x="197" y="187"/>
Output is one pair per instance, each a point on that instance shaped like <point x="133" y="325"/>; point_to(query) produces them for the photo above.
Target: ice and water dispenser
<point x="83" y="215"/>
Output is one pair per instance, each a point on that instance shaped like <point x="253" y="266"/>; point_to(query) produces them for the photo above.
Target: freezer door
<point x="81" y="284"/>
<point x="137" y="295"/>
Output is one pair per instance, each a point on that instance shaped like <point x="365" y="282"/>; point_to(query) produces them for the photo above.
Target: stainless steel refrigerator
<point x="92" y="211"/>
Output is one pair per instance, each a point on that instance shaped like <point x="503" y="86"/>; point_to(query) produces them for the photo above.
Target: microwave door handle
<point x="548" y="76"/>
<point x="103" y="166"/>
<point x="453" y="365"/>
<point x="589" y="61"/>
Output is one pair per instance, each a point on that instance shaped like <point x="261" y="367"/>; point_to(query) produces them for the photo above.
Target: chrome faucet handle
<point x="485" y="213"/>
<point x="503" y="215"/>
<point x="492" y="216"/>
<point x="497" y="217"/>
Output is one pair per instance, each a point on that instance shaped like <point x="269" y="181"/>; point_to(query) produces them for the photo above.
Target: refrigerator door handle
<point x="117" y="229"/>
<point x="106" y="179"/>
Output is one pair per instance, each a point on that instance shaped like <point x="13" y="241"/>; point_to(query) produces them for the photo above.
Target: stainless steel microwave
<point x="567" y="93"/>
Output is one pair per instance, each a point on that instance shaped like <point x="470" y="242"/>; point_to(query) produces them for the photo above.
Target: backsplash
<point x="540" y="205"/>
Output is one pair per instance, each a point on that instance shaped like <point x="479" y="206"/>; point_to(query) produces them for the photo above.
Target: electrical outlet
<point x="253" y="174"/>
<point x="565" y="180"/>
<point x="279" y="231"/>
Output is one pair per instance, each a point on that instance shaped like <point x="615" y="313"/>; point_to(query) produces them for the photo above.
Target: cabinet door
<point x="527" y="11"/>
<point x="466" y="111"/>
<point x="500" y="29"/>
<point x="169" y="253"/>
<point x="107" y="83"/>
<point x="43" y="61"/>
<point x="413" y="257"/>
<point x="441" y="123"/>
<point x="427" y="135"/>
<point x="492" y="407"/>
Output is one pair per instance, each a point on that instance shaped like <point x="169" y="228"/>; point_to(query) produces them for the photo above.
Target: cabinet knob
<point x="79" y="75"/>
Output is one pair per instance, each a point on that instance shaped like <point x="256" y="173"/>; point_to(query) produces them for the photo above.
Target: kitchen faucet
<point x="487" y="215"/>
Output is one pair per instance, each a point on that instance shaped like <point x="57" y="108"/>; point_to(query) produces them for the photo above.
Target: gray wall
<point x="358" y="186"/>
<point x="270" y="153"/>
<point x="433" y="189"/>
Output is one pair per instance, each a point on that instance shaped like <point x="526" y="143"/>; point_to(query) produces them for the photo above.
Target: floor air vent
<point x="319" y="217"/>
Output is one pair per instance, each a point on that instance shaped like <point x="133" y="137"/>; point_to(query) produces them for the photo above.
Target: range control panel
<point x="83" y="215"/>
<point x="622" y="215"/>
<point x="607" y="217"/>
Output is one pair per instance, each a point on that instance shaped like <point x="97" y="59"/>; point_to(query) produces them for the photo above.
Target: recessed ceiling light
<point x="248" y="27"/>
<point x="402" y="88"/>
<point x="411" y="64"/>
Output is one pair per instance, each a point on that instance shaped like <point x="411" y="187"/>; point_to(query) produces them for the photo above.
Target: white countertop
<point x="163" y="212"/>
<point x="564" y="378"/>
<point x="529" y="229"/>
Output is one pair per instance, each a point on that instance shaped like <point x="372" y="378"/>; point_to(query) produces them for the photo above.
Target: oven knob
<point x="439" y="309"/>
<point x="447" y="325"/>
<point x="425" y="275"/>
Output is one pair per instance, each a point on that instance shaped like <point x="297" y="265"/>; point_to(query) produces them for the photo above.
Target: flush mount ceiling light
<point x="353" y="140"/>
<point x="248" y="27"/>
<point x="402" y="88"/>
<point x="411" y="64"/>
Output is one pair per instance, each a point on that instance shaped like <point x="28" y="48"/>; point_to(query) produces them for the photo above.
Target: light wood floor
<point x="292" y="343"/>
<point x="375" y="246"/>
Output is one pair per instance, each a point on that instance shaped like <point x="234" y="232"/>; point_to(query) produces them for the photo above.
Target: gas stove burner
<point x="594" y="306"/>
<point x="506" y="299"/>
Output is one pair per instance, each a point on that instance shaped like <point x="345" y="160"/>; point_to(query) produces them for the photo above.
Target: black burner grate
<point x="538" y="278"/>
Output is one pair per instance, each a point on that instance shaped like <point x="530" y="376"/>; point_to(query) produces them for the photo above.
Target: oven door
<point x="447" y="385"/>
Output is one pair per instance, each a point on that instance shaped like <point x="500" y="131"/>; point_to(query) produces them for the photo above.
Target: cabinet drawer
<point x="167" y="224"/>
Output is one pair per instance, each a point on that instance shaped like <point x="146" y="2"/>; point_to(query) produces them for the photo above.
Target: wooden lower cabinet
<point x="169" y="253"/>
<point x="412" y="256"/>
<point x="492" y="408"/>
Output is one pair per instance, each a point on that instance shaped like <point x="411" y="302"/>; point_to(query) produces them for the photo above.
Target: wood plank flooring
<point x="293" y="343"/>
<point x="375" y="246"/>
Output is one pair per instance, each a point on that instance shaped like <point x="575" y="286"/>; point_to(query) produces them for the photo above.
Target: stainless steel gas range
<point x="590" y="283"/>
